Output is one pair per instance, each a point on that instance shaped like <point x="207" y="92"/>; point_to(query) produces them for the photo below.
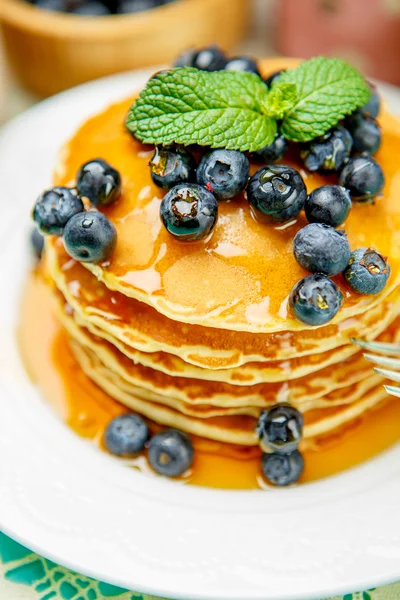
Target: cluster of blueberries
<point x="88" y="235"/>
<point x="171" y="453"/>
<point x="98" y="8"/>
<point x="277" y="193"/>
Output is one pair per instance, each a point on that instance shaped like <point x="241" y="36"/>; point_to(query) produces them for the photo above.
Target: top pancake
<point x="239" y="279"/>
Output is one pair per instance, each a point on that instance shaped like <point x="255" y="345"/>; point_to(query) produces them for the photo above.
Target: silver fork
<point x="388" y="365"/>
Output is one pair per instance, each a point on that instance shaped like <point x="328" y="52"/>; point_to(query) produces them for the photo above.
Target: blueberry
<point x="363" y="177"/>
<point x="135" y="6"/>
<point x="210" y="58"/>
<point x="186" y="58"/>
<point x="282" y="469"/>
<point x="53" y="5"/>
<point x="99" y="182"/>
<point x="367" y="271"/>
<point x="328" y="204"/>
<point x="371" y="109"/>
<point x="54" y="208"/>
<point x="93" y="8"/>
<point x="280" y="429"/>
<point x="329" y="152"/>
<point x="315" y="300"/>
<point x="90" y="237"/>
<point x="271" y="78"/>
<point x="365" y="132"/>
<point x="273" y="152"/>
<point x="276" y="193"/>
<point x="170" y="166"/>
<point x="37" y="242"/>
<point x="171" y="453"/>
<point x="224" y="172"/>
<point x="189" y="212"/>
<point x="126" y="435"/>
<point x="319" y="248"/>
<point x="242" y="63"/>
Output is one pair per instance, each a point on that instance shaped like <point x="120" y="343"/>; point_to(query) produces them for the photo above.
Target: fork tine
<point x="383" y="361"/>
<point x="393" y="390"/>
<point x="393" y="375"/>
<point x="385" y="348"/>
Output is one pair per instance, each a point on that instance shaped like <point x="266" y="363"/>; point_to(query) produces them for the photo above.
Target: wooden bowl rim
<point x="22" y="15"/>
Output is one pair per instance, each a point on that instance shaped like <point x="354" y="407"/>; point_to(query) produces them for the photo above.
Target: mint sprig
<point x="222" y="109"/>
<point x="235" y="110"/>
<point x="327" y="90"/>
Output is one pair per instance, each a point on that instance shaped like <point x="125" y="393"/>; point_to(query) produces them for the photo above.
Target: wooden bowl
<point x="51" y="51"/>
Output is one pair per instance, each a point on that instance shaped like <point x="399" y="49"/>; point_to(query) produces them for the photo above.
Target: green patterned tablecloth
<point x="26" y="576"/>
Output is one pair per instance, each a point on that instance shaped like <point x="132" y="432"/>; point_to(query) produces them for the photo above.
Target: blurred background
<point x="50" y="45"/>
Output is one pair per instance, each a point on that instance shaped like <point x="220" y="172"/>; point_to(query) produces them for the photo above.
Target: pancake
<point x="248" y="268"/>
<point x="140" y="328"/>
<point x="232" y="429"/>
<point x="304" y="393"/>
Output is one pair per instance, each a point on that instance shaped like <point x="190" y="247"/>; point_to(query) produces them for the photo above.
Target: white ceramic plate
<point x="69" y="502"/>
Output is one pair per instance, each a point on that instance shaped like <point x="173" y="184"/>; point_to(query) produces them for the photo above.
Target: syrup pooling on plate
<point x="88" y="410"/>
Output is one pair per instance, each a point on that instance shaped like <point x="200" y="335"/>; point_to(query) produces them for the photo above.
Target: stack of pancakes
<point x="199" y="336"/>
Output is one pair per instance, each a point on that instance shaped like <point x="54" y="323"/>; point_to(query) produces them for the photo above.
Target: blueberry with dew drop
<point x="365" y="132"/>
<point x="189" y="212"/>
<point x="90" y="237"/>
<point x="315" y="300"/>
<point x="224" y="172"/>
<point x="54" y="208"/>
<point x="280" y="428"/>
<point x="170" y="453"/>
<point x="126" y="435"/>
<point x="367" y="271"/>
<point x="276" y="193"/>
<point x="170" y="166"/>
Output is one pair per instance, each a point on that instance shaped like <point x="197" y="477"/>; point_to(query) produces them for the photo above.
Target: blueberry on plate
<point x="210" y="58"/>
<point x="371" y="109"/>
<point x="242" y="63"/>
<point x="126" y="435"/>
<point x="273" y="152"/>
<point x="224" y="172"/>
<point x="328" y="152"/>
<point x="170" y="166"/>
<point x="315" y="300"/>
<point x="273" y="77"/>
<point x="363" y="177"/>
<point x="99" y="182"/>
<point x="170" y="453"/>
<point x="90" y="237"/>
<point x="92" y="9"/>
<point x="186" y="58"/>
<point x="282" y="469"/>
<point x="328" y="204"/>
<point x="37" y="242"/>
<point x="367" y="271"/>
<point x="319" y="248"/>
<point x="365" y="132"/>
<point x="189" y="212"/>
<point x="276" y="193"/>
<point x="54" y="208"/>
<point x="280" y="429"/>
<point x="53" y="5"/>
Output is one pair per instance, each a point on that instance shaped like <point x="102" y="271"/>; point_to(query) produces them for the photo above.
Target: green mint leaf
<point x="327" y="90"/>
<point x="281" y="99"/>
<point x="221" y="109"/>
